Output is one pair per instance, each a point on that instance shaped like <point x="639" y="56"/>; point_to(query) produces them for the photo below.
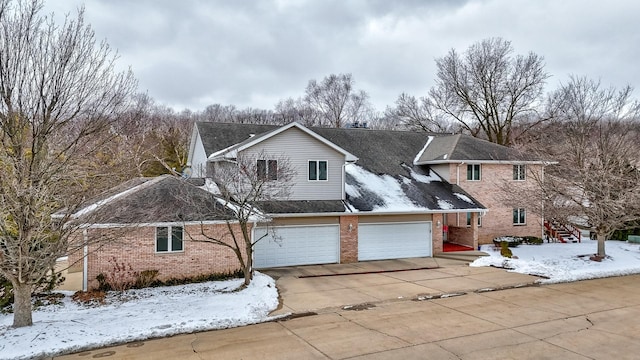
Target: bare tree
<point x="487" y="90"/>
<point x="418" y="114"/>
<point x="59" y="94"/>
<point x="596" y="140"/>
<point x="243" y="185"/>
<point x="336" y="101"/>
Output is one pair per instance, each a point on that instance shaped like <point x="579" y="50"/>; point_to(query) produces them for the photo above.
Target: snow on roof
<point x="445" y="204"/>
<point x="419" y="155"/>
<point x="427" y="179"/>
<point x="463" y="197"/>
<point x="385" y="186"/>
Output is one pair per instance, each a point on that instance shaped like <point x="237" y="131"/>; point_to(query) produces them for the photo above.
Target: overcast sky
<point x="193" y="53"/>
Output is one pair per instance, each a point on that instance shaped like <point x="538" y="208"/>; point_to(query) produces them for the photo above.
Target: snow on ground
<point x="566" y="262"/>
<point x="138" y="315"/>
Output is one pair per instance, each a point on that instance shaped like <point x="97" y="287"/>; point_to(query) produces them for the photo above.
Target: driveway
<point x="319" y="287"/>
<point x="595" y="319"/>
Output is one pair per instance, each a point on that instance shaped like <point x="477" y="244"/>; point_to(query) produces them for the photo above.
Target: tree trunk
<point x="22" y="305"/>
<point x="248" y="268"/>
<point x="601" y="239"/>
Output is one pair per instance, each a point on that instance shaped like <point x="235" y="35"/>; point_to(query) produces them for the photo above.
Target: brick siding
<point x="136" y="248"/>
<point x="348" y="239"/>
<point x="490" y="192"/>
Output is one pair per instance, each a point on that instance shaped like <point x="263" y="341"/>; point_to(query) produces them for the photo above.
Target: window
<point x="164" y="244"/>
<point x="473" y="172"/>
<point x="519" y="216"/>
<point x="519" y="172"/>
<point x="318" y="170"/>
<point x="469" y="219"/>
<point x="267" y="169"/>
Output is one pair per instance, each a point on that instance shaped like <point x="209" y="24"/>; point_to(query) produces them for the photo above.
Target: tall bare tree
<point x="244" y="185"/>
<point x="488" y="90"/>
<point x="336" y="101"/>
<point x="59" y="94"/>
<point x="596" y="140"/>
<point x="418" y="114"/>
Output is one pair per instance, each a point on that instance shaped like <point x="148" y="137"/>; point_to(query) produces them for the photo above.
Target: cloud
<point x="254" y="53"/>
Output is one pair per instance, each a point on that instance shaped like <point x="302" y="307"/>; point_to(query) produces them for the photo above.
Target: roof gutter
<point x="501" y="162"/>
<point x="482" y="212"/>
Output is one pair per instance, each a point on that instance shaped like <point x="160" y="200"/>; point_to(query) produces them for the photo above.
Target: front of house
<point x="356" y="195"/>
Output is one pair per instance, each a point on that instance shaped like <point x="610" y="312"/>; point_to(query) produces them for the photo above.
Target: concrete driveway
<point x="319" y="287"/>
<point x="595" y="319"/>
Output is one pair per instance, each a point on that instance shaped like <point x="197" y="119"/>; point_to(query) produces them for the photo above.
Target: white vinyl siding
<point x="394" y="240"/>
<point x="298" y="147"/>
<point x="198" y="157"/>
<point x="296" y="245"/>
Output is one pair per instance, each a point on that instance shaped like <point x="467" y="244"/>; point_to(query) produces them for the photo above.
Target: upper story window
<point x="267" y="169"/>
<point x="519" y="172"/>
<point x="169" y="239"/>
<point x="519" y="216"/>
<point x="318" y="170"/>
<point x="473" y="172"/>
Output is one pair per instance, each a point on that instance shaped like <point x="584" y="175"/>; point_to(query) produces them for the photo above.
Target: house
<point x="486" y="170"/>
<point x="357" y="194"/>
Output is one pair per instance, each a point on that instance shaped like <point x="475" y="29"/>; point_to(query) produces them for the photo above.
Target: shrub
<point x="89" y="297"/>
<point x="121" y="276"/>
<point x="512" y="241"/>
<point x="199" y="278"/>
<point x="145" y="278"/>
<point x="504" y="249"/>
<point x="532" y="240"/>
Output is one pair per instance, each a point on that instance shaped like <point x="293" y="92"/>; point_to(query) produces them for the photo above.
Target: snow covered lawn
<point x="138" y="315"/>
<point x="566" y="262"/>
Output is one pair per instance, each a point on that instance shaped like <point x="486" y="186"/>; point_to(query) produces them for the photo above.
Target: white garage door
<point x="297" y="245"/>
<point x="394" y="240"/>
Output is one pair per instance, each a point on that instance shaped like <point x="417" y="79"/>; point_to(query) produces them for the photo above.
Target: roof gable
<point x="232" y="151"/>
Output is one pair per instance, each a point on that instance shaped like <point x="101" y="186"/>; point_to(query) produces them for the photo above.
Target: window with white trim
<point x="519" y="172"/>
<point x="267" y="169"/>
<point x="473" y="172"/>
<point x="519" y="216"/>
<point x="318" y="170"/>
<point x="169" y="239"/>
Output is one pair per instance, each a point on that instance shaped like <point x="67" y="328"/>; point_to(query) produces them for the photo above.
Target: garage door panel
<point x="297" y="245"/>
<point x="394" y="241"/>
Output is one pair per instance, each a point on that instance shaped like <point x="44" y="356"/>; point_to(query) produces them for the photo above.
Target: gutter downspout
<point x="458" y="183"/>
<point x="85" y="261"/>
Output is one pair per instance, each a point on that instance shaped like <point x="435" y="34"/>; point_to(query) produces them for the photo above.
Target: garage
<point x="394" y="240"/>
<point x="297" y="245"/>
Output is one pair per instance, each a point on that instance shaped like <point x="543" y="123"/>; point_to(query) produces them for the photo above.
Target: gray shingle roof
<point x="301" y="206"/>
<point x="451" y="148"/>
<point x="218" y="136"/>
<point x="380" y="152"/>
<point x="154" y="200"/>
